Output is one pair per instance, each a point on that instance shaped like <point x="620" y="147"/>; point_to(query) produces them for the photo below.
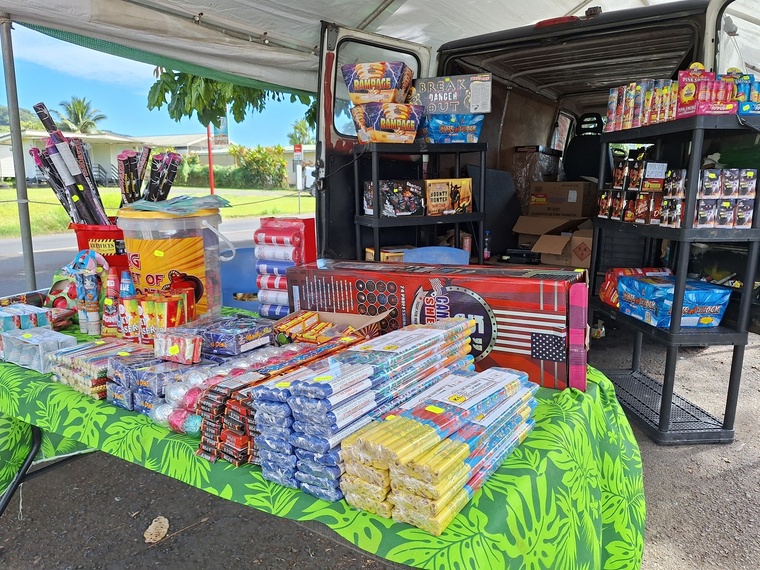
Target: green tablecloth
<point x="571" y="496"/>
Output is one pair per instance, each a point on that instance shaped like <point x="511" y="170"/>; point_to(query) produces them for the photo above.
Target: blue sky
<point x="52" y="71"/>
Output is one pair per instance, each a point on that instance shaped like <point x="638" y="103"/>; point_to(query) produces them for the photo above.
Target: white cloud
<point x="77" y="61"/>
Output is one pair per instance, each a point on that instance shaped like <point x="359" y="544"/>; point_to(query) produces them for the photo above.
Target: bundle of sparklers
<point x="66" y="165"/>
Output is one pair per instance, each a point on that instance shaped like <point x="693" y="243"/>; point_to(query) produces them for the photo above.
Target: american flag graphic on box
<point x="525" y="316"/>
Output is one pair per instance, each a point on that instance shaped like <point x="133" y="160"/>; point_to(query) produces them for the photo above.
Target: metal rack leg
<point x="638" y="339"/>
<point x="666" y="403"/>
<point x="19" y="478"/>
<point x="732" y="398"/>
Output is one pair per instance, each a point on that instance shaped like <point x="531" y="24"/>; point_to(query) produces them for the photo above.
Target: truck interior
<point x="551" y="84"/>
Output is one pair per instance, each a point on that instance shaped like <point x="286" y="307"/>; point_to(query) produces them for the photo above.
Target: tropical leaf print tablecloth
<point x="571" y="496"/>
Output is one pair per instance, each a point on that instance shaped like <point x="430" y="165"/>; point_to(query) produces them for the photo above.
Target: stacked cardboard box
<point x="557" y="224"/>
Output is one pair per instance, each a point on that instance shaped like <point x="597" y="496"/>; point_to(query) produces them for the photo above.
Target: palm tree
<point x="79" y="116"/>
<point x="301" y="133"/>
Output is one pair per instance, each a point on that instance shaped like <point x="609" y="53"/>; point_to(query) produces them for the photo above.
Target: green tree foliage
<point x="186" y="95"/>
<point x="302" y="133"/>
<point x="262" y="167"/>
<point x="78" y="116"/>
<point x="27" y="118"/>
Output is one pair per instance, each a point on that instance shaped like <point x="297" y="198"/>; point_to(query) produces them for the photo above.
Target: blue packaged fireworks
<point x="451" y="128"/>
<point x="650" y="299"/>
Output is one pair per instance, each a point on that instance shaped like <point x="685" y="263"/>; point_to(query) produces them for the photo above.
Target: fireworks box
<point x="388" y="253"/>
<point x="444" y="196"/>
<point x="386" y="122"/>
<point x="565" y="199"/>
<point x="396" y="197"/>
<point x="378" y="82"/>
<point x="650" y="299"/>
<point x="453" y="94"/>
<point x="529" y="318"/>
<point x="447" y="129"/>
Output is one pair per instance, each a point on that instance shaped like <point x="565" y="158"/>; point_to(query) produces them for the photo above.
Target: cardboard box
<point x="444" y="196"/>
<point x="654" y="176"/>
<point x="691" y="84"/>
<point x="525" y="316"/>
<point x="389" y="254"/>
<point x="745" y="209"/>
<point x="386" y="122"/>
<point x="560" y="241"/>
<point x="378" y="82"/>
<point x="565" y="199"/>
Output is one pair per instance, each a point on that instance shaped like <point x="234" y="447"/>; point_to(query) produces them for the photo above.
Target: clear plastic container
<point x="173" y="252"/>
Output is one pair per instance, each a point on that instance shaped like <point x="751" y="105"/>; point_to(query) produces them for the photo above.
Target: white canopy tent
<point x="273" y="44"/>
<point x="277" y="42"/>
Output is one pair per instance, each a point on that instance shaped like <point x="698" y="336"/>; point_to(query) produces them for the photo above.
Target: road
<point x="51" y="252"/>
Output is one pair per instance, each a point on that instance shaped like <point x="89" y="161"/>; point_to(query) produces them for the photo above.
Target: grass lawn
<point x="47" y="216"/>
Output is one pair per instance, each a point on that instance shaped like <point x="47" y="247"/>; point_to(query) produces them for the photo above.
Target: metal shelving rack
<point x="665" y="416"/>
<point x="375" y="221"/>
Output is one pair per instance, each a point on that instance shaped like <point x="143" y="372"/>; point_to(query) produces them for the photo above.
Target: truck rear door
<point x="336" y="134"/>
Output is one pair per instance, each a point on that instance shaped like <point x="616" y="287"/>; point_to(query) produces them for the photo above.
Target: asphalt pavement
<point x="51" y="252"/>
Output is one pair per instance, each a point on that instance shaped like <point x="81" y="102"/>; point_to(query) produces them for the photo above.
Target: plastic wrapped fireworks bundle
<point x="447" y="409"/>
<point x="465" y="446"/>
<point x="366" y="483"/>
<point x="434" y="515"/>
<point x="344" y="392"/>
<point x="217" y="440"/>
<point x="84" y="367"/>
<point x="274" y="423"/>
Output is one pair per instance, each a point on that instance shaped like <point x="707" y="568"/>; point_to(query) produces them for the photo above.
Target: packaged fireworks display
<point x="378" y="82"/>
<point x="650" y="299"/>
<point x="524" y="315"/>
<point x="29" y="348"/>
<point x="280" y="243"/>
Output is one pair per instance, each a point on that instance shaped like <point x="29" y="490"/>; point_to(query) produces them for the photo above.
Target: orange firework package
<point x="528" y="318"/>
<point x="378" y="82"/>
<point x="609" y="289"/>
<point x="387" y="122"/>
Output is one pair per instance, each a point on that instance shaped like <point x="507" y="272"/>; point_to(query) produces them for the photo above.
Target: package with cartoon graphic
<point x="386" y="122"/>
<point x="650" y="299"/>
<point x="170" y="252"/>
<point x="377" y="82"/>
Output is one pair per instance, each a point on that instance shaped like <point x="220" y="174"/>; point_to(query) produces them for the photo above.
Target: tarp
<point x="277" y="42"/>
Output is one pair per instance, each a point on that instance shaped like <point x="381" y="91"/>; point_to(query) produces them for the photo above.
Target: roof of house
<point x="102" y="138"/>
<point x="175" y="141"/>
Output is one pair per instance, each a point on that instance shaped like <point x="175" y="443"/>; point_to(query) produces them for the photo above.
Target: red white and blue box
<point x="531" y="319"/>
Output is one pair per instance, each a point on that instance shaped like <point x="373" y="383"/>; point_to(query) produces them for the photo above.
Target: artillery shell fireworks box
<point x="377" y="82"/>
<point x="525" y="316"/>
<point x="650" y="299"/>
<point x="386" y="122"/>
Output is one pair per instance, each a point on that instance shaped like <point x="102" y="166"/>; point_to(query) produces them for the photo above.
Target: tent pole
<point x="9" y="69"/>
